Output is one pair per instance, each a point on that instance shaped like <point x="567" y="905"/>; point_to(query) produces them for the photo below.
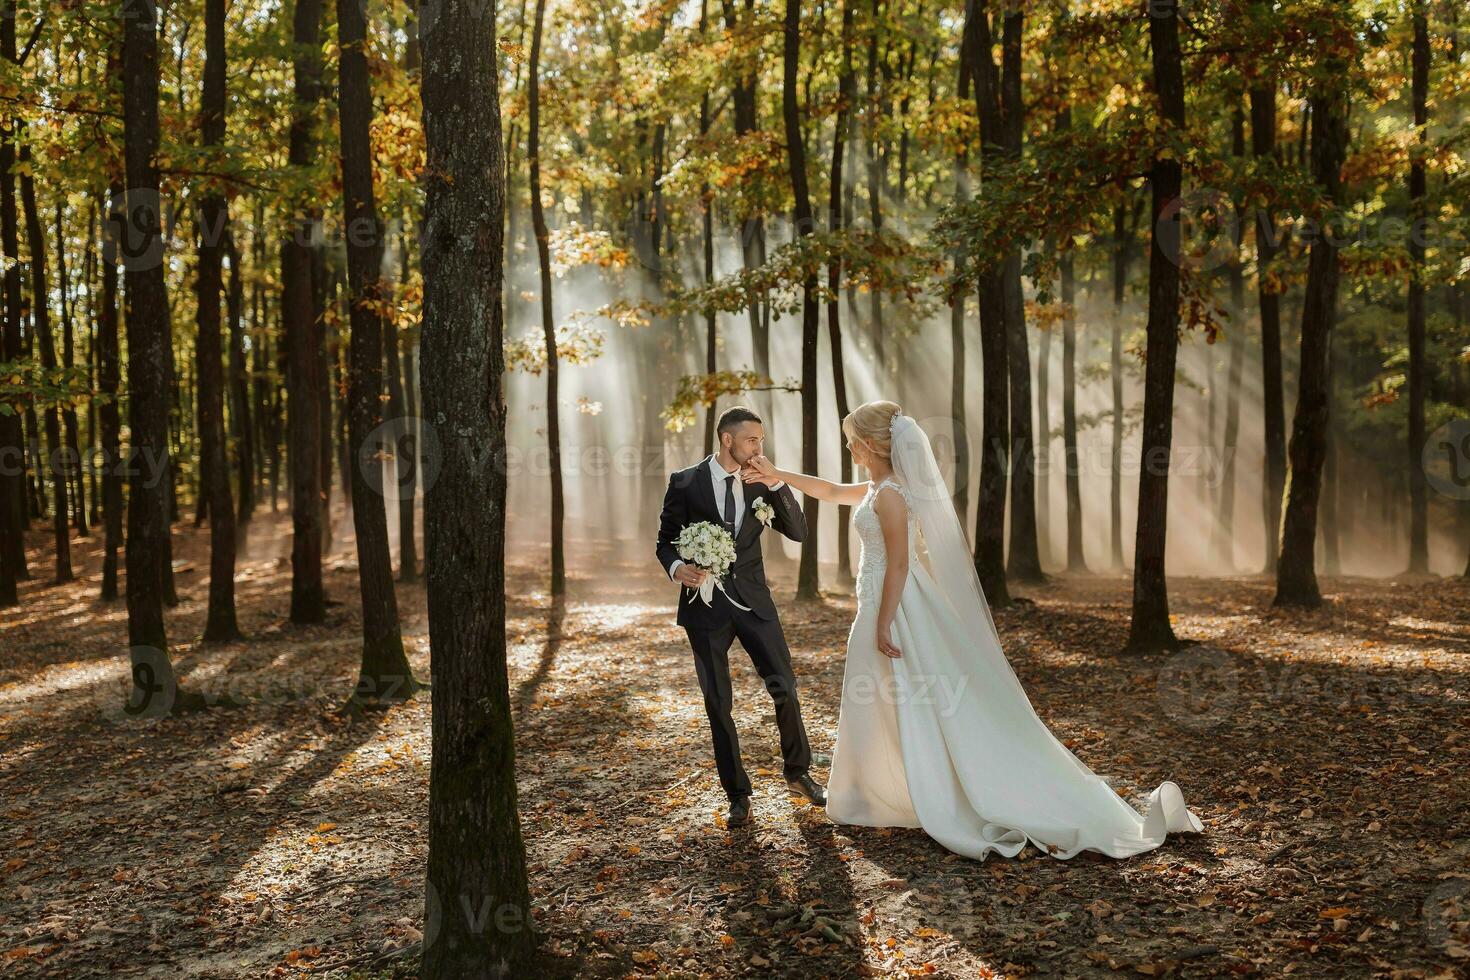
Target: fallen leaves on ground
<point x="1326" y="751"/>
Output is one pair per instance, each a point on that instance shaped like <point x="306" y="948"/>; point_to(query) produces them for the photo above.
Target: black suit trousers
<point x="765" y="643"/>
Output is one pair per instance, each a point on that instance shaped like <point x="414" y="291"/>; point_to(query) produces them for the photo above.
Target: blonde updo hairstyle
<point x="872" y="425"/>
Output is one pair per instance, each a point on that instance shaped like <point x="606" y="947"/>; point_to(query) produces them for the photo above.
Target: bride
<point x="934" y="730"/>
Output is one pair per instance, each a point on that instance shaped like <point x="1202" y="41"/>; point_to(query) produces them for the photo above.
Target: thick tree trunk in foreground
<point x="222" y="625"/>
<point x="477" y="862"/>
<point x="46" y="341"/>
<point x="1150" y="628"/>
<point x="385" y="675"/>
<point x="1296" y="575"/>
<point x="548" y="321"/>
<point x="308" y="597"/>
<point x="155" y="691"/>
<point x="806" y="579"/>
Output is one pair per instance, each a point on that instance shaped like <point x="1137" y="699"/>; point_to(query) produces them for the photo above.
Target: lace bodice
<point x="874" y="560"/>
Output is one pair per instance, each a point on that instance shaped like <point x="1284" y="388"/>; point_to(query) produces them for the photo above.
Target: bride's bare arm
<point x="759" y="469"/>
<point x="893" y="518"/>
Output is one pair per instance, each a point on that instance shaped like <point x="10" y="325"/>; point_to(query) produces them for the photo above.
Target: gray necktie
<point x="730" y="502"/>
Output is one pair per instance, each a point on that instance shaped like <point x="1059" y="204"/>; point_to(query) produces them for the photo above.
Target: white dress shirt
<point x="717" y="475"/>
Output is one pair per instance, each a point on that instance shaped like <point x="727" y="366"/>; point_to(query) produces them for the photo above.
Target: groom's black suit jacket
<point x="691" y="499"/>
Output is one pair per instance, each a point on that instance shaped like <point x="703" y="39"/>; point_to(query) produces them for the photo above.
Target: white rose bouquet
<point x="710" y="547"/>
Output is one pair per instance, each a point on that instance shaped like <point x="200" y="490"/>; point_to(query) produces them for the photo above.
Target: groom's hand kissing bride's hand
<point x="885" y="643"/>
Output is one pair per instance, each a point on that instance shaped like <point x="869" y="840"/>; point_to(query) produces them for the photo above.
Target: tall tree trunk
<point x="1296" y="575"/>
<point x="68" y="360"/>
<point x="1329" y="527"/>
<point x="1043" y="436"/>
<point x="108" y="377"/>
<point x="1150" y="628"/>
<point x="408" y="457"/>
<point x="331" y="355"/>
<point x="1225" y="519"/>
<point x="477" y="861"/>
<point x="1076" y="561"/>
<point x="990" y="514"/>
<point x="1122" y="235"/>
<point x="402" y="435"/>
<point x="1273" y="400"/>
<point x="221" y="625"/>
<point x="41" y="324"/>
<point x="875" y="186"/>
<point x="385" y="675"/>
<point x="155" y="690"/>
<point x="752" y="229"/>
<point x="1024" y="560"/>
<point x="240" y="414"/>
<point x="91" y="276"/>
<point x="1418" y="495"/>
<point x="958" y="413"/>
<point x="707" y="244"/>
<point x="847" y="96"/>
<point x="806" y="580"/>
<point x="548" y="321"/>
<point x="33" y="446"/>
<point x="308" y="596"/>
<point x="15" y="503"/>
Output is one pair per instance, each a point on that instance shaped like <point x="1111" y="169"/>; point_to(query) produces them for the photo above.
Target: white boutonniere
<point x="764" y="512"/>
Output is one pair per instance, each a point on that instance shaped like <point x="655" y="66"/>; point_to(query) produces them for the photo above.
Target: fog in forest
<point x="615" y="472"/>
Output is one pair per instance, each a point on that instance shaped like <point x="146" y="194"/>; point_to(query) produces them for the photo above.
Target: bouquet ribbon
<point x="706" y="591"/>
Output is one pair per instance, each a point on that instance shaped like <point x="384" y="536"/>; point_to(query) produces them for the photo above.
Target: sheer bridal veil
<point x="944" y="539"/>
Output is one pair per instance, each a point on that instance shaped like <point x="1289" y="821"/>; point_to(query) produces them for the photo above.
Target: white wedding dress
<point x="944" y="737"/>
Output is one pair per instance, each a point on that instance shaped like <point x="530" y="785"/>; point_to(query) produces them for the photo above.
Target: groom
<point x="714" y="491"/>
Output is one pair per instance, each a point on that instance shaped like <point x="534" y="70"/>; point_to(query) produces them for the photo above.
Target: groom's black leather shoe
<point x="739" y="812"/>
<point x="808" y="789"/>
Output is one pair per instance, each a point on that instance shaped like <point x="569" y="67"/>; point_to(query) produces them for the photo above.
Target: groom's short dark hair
<point x="731" y="417"/>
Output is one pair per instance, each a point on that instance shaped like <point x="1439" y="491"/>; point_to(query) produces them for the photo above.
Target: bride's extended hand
<point x="885" y="642"/>
<point x="759" y="469"/>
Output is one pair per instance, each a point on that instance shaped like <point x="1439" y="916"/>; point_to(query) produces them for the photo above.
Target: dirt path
<point x="1327" y="754"/>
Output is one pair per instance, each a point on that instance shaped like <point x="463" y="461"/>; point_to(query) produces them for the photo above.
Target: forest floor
<point x="1327" y="753"/>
